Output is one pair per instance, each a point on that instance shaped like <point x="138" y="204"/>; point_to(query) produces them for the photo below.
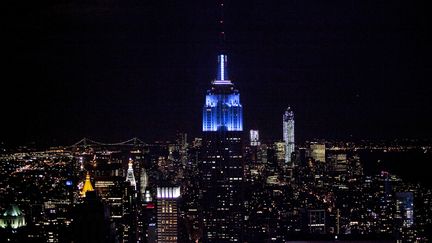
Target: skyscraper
<point x="130" y="174"/>
<point x="404" y="217"/>
<point x="318" y="152"/>
<point x="280" y="151"/>
<point x="167" y="214"/>
<point x="87" y="186"/>
<point x="221" y="162"/>
<point x="404" y="209"/>
<point x="288" y="134"/>
<point x="254" y="138"/>
<point x="143" y="182"/>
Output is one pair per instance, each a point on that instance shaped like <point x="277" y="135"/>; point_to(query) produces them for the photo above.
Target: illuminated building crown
<point x="87" y="186"/>
<point x="130" y="174"/>
<point x="222" y="109"/>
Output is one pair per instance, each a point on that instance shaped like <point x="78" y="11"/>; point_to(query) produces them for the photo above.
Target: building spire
<point x="222" y="69"/>
<point x="221" y="23"/>
<point x="87" y="186"/>
<point x="130" y="174"/>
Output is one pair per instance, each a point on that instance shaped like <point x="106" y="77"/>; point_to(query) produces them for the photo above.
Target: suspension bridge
<point x="86" y="142"/>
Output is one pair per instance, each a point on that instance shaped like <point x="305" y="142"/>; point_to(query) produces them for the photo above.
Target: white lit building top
<point x="168" y="192"/>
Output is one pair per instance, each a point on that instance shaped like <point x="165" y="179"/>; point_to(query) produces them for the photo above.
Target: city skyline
<point x="133" y="73"/>
<point x="294" y="131"/>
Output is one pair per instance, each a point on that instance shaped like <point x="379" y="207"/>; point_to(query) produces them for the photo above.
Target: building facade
<point x="167" y="214"/>
<point x="317" y="152"/>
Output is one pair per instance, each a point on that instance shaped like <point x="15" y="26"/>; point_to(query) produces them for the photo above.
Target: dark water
<point x="412" y="166"/>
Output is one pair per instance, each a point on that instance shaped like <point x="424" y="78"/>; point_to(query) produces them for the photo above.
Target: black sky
<point x="111" y="70"/>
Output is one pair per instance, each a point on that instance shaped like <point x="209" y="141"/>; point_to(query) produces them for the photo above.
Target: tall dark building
<point x="91" y="221"/>
<point x="221" y="162"/>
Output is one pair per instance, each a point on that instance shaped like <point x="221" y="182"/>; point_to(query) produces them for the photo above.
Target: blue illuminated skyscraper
<point x="221" y="162"/>
<point x="222" y="109"/>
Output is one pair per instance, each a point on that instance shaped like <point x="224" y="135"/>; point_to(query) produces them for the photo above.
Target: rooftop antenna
<point x="221" y="23"/>
<point x="222" y="70"/>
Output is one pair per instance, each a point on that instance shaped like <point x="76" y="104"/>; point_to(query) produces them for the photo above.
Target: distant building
<point x="167" y="214"/>
<point x="182" y="140"/>
<point x="143" y="183"/>
<point x="317" y="221"/>
<point x="288" y="134"/>
<point x="405" y="209"/>
<point x="254" y="138"/>
<point x="147" y="196"/>
<point x="13" y="217"/>
<point x="280" y="151"/>
<point x="386" y="203"/>
<point x="262" y="154"/>
<point x="404" y="217"/>
<point x="197" y="142"/>
<point x="130" y="177"/>
<point x="149" y="218"/>
<point x="183" y="147"/>
<point x="339" y="162"/>
<point x="318" y="152"/>
<point x="87" y="186"/>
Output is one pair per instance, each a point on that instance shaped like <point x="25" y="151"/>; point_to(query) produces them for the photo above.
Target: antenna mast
<point x="221" y="22"/>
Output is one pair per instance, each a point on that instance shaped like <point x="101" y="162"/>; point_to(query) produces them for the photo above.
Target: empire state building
<point x="222" y="110"/>
<point x="221" y="163"/>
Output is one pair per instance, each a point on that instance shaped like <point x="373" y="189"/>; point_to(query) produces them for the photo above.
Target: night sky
<point x="115" y="69"/>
